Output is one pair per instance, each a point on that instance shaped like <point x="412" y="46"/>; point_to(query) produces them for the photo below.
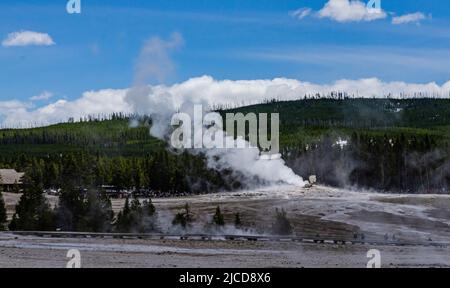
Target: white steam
<point x="154" y="63"/>
<point x="248" y="162"/>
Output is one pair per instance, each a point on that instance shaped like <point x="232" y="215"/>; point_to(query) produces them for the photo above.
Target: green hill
<point x="385" y="144"/>
<point x="111" y="137"/>
<point x="108" y="152"/>
<point x="309" y="119"/>
<point x="391" y="144"/>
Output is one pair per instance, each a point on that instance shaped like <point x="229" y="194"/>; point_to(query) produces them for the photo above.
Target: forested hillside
<point x="385" y="144"/>
<point x="108" y="152"/>
<point x="399" y="145"/>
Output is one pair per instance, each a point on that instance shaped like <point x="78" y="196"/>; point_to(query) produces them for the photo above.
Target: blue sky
<point x="225" y="39"/>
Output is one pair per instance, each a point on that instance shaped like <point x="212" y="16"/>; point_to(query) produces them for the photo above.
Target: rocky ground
<point x="319" y="210"/>
<point x="51" y="252"/>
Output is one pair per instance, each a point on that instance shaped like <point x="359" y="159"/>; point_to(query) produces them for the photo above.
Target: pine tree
<point x="3" y="216"/>
<point x="136" y="206"/>
<point x="180" y="219"/>
<point x="99" y="214"/>
<point x="187" y="213"/>
<point x="149" y="208"/>
<point x="183" y="218"/>
<point x="33" y="211"/>
<point x="148" y="221"/>
<point x="237" y="220"/>
<point x="13" y="224"/>
<point x="218" y="217"/>
<point x="118" y="226"/>
<point x="282" y="225"/>
<point x="126" y="209"/>
<point x="136" y="216"/>
<point x="72" y="207"/>
<point x="122" y="223"/>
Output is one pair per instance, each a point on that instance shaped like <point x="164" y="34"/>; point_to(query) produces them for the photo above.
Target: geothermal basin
<point x="408" y="230"/>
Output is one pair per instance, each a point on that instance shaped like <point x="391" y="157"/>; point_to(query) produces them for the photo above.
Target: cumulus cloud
<point x="409" y="18"/>
<point x="46" y="95"/>
<point x="300" y="13"/>
<point x="207" y="91"/>
<point x="12" y="105"/>
<point x="100" y="102"/>
<point x="27" y="38"/>
<point x="350" y="11"/>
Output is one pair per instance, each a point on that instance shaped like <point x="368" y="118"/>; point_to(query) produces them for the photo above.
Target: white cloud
<point x="12" y="105"/>
<point x="355" y="11"/>
<point x="207" y="91"/>
<point x="300" y="13"/>
<point x="90" y="103"/>
<point x="349" y="11"/>
<point x="46" y="95"/>
<point x="408" y="18"/>
<point x="27" y="38"/>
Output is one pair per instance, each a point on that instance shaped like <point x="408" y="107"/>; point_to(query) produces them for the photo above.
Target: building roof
<point x="10" y="177"/>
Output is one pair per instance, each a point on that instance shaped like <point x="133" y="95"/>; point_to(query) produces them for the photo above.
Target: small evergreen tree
<point x="179" y="219"/>
<point x="136" y="217"/>
<point x="122" y="223"/>
<point x="33" y="211"/>
<point x="3" y="216"/>
<point x="126" y="209"/>
<point x="118" y="222"/>
<point x="13" y="224"/>
<point x="183" y="218"/>
<point x="98" y="213"/>
<point x="72" y="206"/>
<point x="218" y="217"/>
<point x="149" y="216"/>
<point x="187" y="212"/>
<point x="136" y="206"/>
<point x="237" y="220"/>
<point x="282" y="225"/>
<point x="149" y="208"/>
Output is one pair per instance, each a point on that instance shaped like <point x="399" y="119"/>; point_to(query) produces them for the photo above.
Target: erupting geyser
<point x="248" y="162"/>
<point x="162" y="105"/>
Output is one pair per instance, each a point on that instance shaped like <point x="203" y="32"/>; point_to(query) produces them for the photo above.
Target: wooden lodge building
<point x="10" y="180"/>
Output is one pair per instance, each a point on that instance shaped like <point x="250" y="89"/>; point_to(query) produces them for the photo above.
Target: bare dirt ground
<point x="50" y="252"/>
<point x="325" y="210"/>
<point x="319" y="210"/>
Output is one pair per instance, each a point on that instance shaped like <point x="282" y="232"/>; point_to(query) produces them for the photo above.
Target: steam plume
<point x="154" y="63"/>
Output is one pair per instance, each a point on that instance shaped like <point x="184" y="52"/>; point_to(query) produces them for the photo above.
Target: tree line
<point x="90" y="212"/>
<point x="391" y="163"/>
<point x="160" y="171"/>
